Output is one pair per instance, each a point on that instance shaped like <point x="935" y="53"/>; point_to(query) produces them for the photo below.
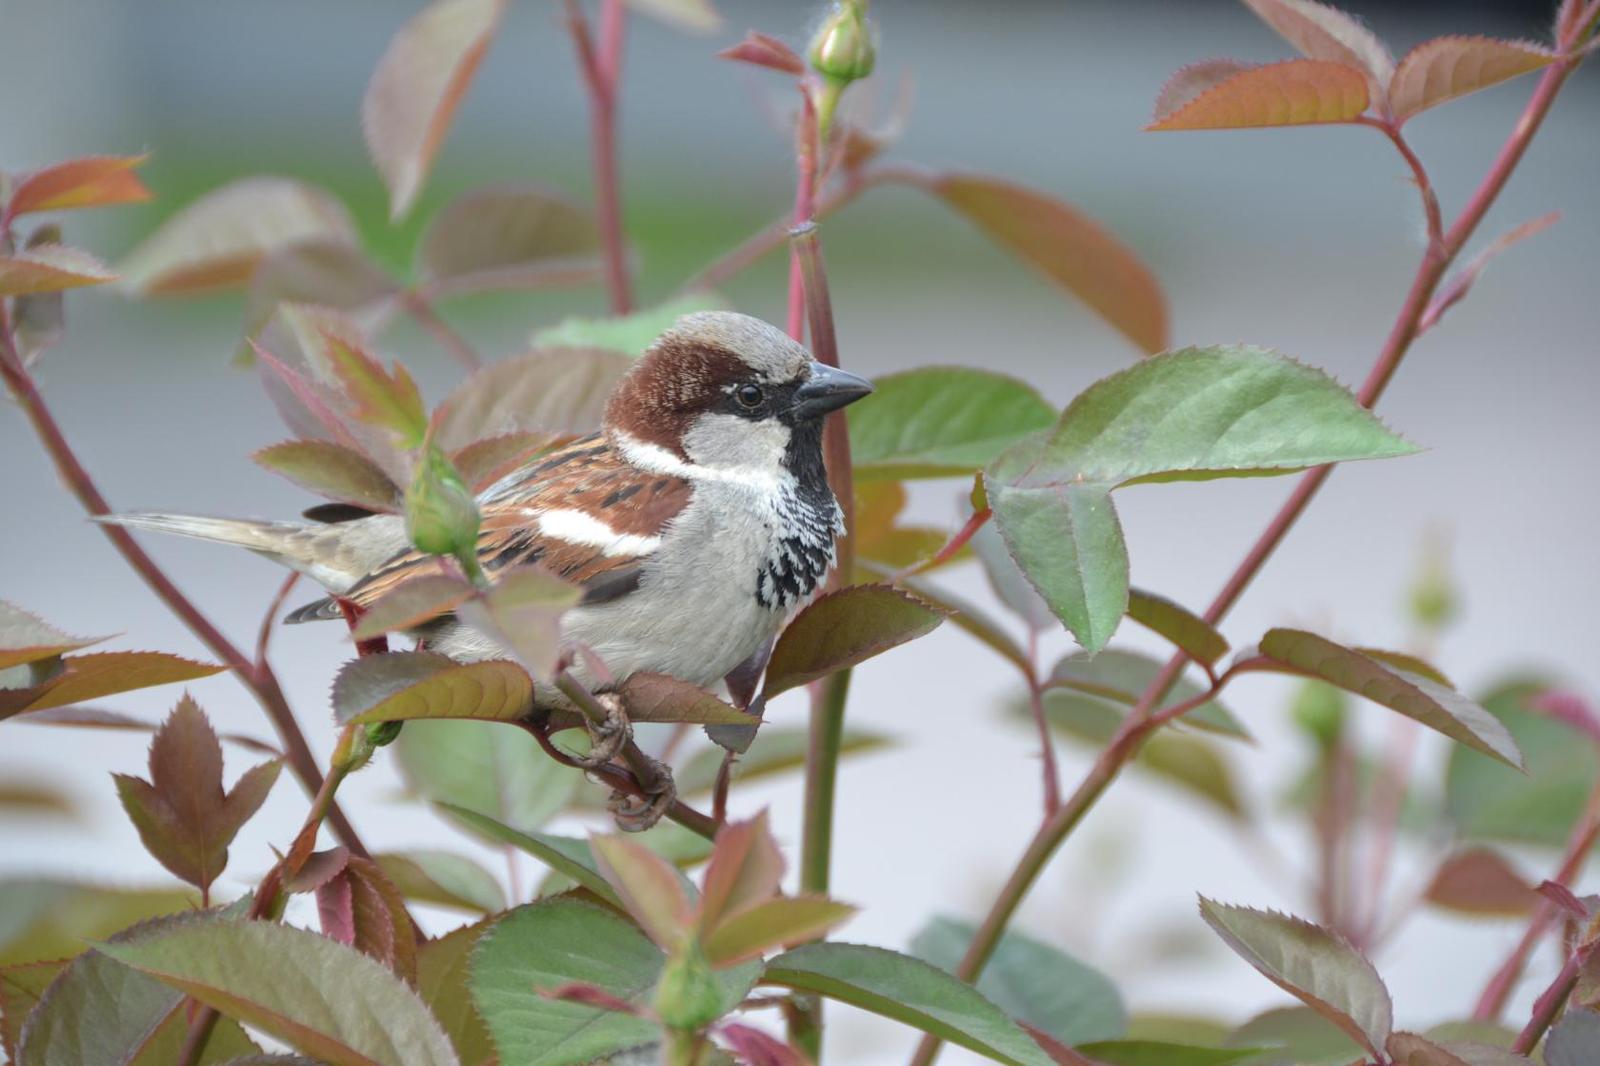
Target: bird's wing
<point x="583" y="513"/>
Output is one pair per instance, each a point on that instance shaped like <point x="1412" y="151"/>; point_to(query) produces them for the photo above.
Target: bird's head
<point x="721" y="389"/>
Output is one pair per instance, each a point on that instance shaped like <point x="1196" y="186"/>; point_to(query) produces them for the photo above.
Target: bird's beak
<point x="827" y="389"/>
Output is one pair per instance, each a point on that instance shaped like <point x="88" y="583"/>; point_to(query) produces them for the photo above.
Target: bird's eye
<point x="749" y="396"/>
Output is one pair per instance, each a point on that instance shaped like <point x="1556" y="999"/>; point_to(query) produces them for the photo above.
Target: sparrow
<point x="695" y="522"/>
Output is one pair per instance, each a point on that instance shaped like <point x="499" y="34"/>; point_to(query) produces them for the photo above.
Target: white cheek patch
<point x="655" y="459"/>
<point x="728" y="441"/>
<point x="576" y="527"/>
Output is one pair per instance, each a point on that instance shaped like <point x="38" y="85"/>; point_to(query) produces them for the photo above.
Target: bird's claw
<point x="607" y="738"/>
<point x="635" y="814"/>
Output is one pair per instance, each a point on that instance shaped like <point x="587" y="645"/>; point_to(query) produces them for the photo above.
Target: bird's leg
<point x="635" y="814"/>
<point x="608" y="737"/>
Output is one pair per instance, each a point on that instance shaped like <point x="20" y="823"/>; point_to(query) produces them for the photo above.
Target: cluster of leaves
<point x="621" y="951"/>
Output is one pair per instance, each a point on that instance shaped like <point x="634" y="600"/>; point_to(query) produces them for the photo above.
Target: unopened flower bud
<point x="845" y="46"/>
<point x="441" y="514"/>
<point x="382" y="734"/>
<point x="688" y="996"/>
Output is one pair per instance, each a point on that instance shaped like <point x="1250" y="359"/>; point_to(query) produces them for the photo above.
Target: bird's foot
<point x="609" y="737"/>
<point x="635" y="814"/>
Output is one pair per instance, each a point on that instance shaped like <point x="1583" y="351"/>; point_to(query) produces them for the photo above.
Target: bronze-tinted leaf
<point x="746" y="867"/>
<point x="1067" y="247"/>
<point x="332" y="471"/>
<point x="659" y="698"/>
<point x="21" y="987"/>
<point x="1480" y="881"/>
<point x="26" y="638"/>
<point x="185" y="817"/>
<point x="93" y="181"/>
<point x="1323" y="32"/>
<point x="361" y="907"/>
<point x="50" y="268"/>
<point x="560" y="391"/>
<point x="89" y="677"/>
<point x="328" y="272"/>
<point x="756" y="928"/>
<point x="1409" y="1049"/>
<point x="764" y="50"/>
<point x="442" y="965"/>
<point x="483" y="462"/>
<point x="649" y="887"/>
<point x="845" y="628"/>
<point x="522" y="613"/>
<point x="388" y="399"/>
<point x="500" y="235"/>
<point x="217" y="241"/>
<point x="418" y="600"/>
<point x="418" y="684"/>
<point x="1185" y="629"/>
<point x="1298" y="92"/>
<point x="417" y="86"/>
<point x="1447" y="67"/>
<point x="1193" y="80"/>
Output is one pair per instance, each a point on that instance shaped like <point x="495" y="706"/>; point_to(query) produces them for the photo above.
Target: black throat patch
<point x="809" y="519"/>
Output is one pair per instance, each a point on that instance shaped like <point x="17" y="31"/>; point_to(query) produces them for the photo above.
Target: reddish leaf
<point x="486" y="461"/>
<point x="753" y="930"/>
<point x="1193" y="80"/>
<point x="1570" y="708"/>
<point x="763" y="50"/>
<point x="417" y="87"/>
<point x="648" y="886"/>
<point x="1462" y="283"/>
<point x="361" y="907"/>
<point x="184" y="816"/>
<point x="332" y="471"/>
<point x="50" y="268"/>
<point x="1409" y="1049"/>
<point x="753" y="1047"/>
<point x="1447" y="67"/>
<point x="94" y="181"/>
<point x="217" y="241"/>
<point x="522" y="613"/>
<point x="413" y="602"/>
<point x="402" y="686"/>
<point x="304" y="407"/>
<point x="1294" y="93"/>
<point x="1322" y="32"/>
<point x="325" y="273"/>
<point x="746" y="867"/>
<point x="26" y="638"/>
<point x="387" y="399"/>
<point x="502" y="236"/>
<point x="659" y="698"/>
<point x="1479" y="881"/>
<point x="1068" y="248"/>
<point x="560" y="391"/>
<point x="318" y="869"/>
<point x="843" y="629"/>
<point x="1411" y="664"/>
<point x="89" y="677"/>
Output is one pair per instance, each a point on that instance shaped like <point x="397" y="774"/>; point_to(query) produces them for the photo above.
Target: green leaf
<point x="402" y="686"/>
<point x="1194" y="413"/>
<point x="1305" y="1038"/>
<point x="844" y="628"/>
<point x="1186" y="630"/>
<point x="320" y="997"/>
<point x="1414" y="696"/>
<point x="493" y="769"/>
<point x="501" y="236"/>
<point x="442" y="974"/>
<point x="88" y="677"/>
<point x="333" y="471"/>
<point x="26" y="638"/>
<point x="21" y="987"/>
<point x="558" y="942"/>
<point x="753" y="930"/>
<point x="909" y="991"/>
<point x="1488" y="800"/>
<point x="417" y="86"/>
<point x="1033" y="982"/>
<point x="1067" y="247"/>
<point x="1316" y="966"/>
<point x="49" y="919"/>
<point x="939" y="421"/>
<point x="1121" y="676"/>
<point x="217" y="241"/>
<point x="553" y="391"/>
<point x="628" y="334"/>
<point x="411" y="603"/>
<point x="568" y="856"/>
<point x="444" y="879"/>
<point x="1157" y="1053"/>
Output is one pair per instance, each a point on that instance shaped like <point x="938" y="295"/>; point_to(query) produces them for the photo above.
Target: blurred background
<point x="1303" y="240"/>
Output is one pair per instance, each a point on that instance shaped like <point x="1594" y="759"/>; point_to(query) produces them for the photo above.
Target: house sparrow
<point x="695" y="522"/>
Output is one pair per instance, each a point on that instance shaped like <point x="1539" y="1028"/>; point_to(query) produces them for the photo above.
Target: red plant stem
<point x="1493" y="1000"/>
<point x="420" y="308"/>
<point x="805" y="206"/>
<point x="1047" y="743"/>
<point x="259" y="679"/>
<point x="948" y="552"/>
<point x="1388" y="808"/>
<point x="617" y="778"/>
<point x="601" y="69"/>
<point x="1548" y="1006"/>
<point x="1139" y="722"/>
<point x="270" y="619"/>
<point x="719" y="794"/>
<point x="1430" y="200"/>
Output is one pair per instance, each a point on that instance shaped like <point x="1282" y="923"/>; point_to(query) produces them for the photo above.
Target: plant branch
<point x="270" y="619"/>
<point x="945" y="554"/>
<point x="420" y="308"/>
<point x="1047" y="742"/>
<point x="258" y="678"/>
<point x="601" y="68"/>
<point x="1137" y="725"/>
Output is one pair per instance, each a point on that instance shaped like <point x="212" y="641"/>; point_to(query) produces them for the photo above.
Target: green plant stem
<point x="1137" y="726"/>
<point x="822" y="771"/>
<point x="259" y="678"/>
<point x="601" y="68"/>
